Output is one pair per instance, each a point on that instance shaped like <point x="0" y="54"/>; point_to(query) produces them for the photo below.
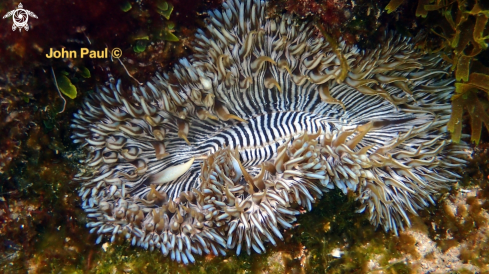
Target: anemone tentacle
<point x="261" y="121"/>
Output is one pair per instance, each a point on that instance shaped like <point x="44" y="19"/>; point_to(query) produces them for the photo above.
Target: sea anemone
<point x="265" y="117"/>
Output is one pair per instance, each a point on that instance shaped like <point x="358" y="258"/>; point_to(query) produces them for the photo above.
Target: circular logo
<point x="20" y="17"/>
<point x="116" y="52"/>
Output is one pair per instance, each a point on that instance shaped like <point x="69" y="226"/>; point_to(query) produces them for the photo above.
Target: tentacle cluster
<point x="257" y="125"/>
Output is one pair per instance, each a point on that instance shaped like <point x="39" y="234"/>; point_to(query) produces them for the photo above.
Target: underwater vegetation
<point x="43" y="229"/>
<point x="465" y="37"/>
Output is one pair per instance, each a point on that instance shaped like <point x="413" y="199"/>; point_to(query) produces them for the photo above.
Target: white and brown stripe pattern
<point x="222" y="152"/>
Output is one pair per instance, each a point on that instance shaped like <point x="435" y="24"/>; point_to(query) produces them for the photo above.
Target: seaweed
<point x="465" y="35"/>
<point x="165" y="9"/>
<point x="466" y="41"/>
<point x="66" y="87"/>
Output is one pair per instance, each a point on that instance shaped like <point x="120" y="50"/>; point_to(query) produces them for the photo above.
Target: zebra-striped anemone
<point x="224" y="151"/>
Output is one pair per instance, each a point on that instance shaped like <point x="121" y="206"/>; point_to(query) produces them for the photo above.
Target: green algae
<point x="165" y="9"/>
<point x="393" y="5"/>
<point x="121" y="257"/>
<point x="84" y="72"/>
<point x="169" y="36"/>
<point x="66" y="87"/>
<point x="140" y="46"/>
<point x="125" y="6"/>
<point x="341" y="228"/>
